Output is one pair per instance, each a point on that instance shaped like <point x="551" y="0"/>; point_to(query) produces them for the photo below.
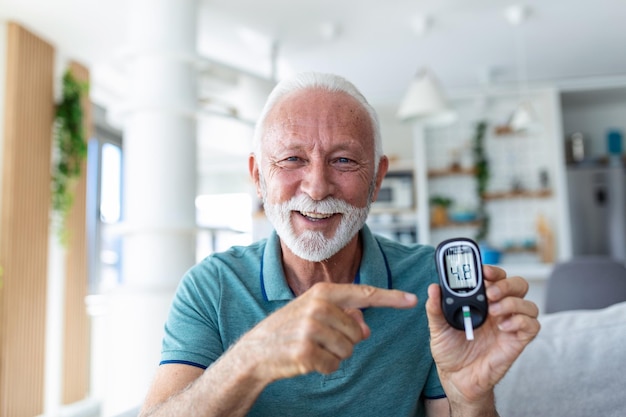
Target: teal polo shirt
<point x="389" y="374"/>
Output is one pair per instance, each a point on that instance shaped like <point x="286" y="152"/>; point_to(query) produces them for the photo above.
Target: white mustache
<point x="306" y="204"/>
<point x="311" y="245"/>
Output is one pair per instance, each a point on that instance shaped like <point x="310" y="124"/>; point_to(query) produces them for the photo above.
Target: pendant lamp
<point x="424" y="101"/>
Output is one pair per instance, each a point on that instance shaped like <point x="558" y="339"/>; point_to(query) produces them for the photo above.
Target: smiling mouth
<point x="313" y="216"/>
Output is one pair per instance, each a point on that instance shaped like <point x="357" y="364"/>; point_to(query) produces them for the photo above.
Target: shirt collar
<point x="374" y="269"/>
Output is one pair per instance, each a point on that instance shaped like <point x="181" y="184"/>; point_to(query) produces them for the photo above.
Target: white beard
<point x="313" y="245"/>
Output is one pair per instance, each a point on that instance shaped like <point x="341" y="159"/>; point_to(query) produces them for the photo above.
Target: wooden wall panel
<point x="29" y="112"/>
<point x="76" y="351"/>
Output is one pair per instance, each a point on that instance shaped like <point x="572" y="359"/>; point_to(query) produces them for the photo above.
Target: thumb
<point x="357" y="315"/>
<point x="436" y="319"/>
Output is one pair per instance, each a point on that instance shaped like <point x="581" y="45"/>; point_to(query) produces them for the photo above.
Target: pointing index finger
<point x="362" y="296"/>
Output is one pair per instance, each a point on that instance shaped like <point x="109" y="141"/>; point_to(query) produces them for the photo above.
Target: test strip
<point x="467" y="323"/>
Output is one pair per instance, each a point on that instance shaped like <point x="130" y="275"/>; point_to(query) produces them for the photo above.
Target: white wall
<point x="593" y="113"/>
<point x="397" y="136"/>
<point x="223" y="148"/>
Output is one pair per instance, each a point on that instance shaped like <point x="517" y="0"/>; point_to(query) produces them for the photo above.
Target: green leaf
<point x="71" y="147"/>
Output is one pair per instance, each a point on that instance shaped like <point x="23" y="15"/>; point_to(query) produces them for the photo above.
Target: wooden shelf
<point x="473" y="223"/>
<point x="378" y="210"/>
<point x="521" y="249"/>
<point x="505" y="131"/>
<point x="396" y="226"/>
<point x="503" y="195"/>
<point x="448" y="172"/>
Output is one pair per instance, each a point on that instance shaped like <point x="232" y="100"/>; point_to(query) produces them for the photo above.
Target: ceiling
<point x="468" y="44"/>
<point x="378" y="45"/>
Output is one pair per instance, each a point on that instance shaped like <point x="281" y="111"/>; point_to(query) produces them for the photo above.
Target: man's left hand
<point x="469" y="370"/>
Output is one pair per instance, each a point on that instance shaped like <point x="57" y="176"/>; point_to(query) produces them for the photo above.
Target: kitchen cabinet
<point x="393" y="214"/>
<point x="596" y="177"/>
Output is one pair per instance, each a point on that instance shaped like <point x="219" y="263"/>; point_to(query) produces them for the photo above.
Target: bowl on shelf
<point x="462" y="216"/>
<point x="489" y="254"/>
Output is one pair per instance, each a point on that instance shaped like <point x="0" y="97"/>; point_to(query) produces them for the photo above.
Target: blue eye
<point x="345" y="164"/>
<point x="290" y="162"/>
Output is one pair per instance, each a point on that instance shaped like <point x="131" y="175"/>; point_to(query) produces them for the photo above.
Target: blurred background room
<point x="503" y="122"/>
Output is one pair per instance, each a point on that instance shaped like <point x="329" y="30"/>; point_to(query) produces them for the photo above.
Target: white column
<point x="160" y="144"/>
<point x="421" y="183"/>
<point x="159" y="189"/>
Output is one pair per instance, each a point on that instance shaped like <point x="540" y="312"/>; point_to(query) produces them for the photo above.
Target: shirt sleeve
<point x="191" y="330"/>
<point x="433" y="388"/>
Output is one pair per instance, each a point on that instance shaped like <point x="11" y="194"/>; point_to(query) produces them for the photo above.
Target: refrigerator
<point x="597" y="204"/>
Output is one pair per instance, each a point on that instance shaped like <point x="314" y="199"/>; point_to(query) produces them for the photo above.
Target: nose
<point x="317" y="181"/>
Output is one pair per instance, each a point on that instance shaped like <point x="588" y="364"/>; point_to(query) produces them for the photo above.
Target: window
<point x="104" y="206"/>
<point x="223" y="220"/>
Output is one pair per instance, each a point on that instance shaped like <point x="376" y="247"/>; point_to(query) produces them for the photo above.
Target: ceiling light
<point x="330" y="31"/>
<point x="421" y="24"/>
<point x="523" y="118"/>
<point x="424" y="101"/>
<point x="517" y="14"/>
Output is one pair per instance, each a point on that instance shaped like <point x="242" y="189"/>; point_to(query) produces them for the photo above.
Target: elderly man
<point x="323" y="318"/>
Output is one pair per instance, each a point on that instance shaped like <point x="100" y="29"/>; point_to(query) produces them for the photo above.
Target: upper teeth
<point x="316" y="215"/>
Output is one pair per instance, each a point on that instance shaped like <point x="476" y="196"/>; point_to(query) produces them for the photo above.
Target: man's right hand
<point x="316" y="331"/>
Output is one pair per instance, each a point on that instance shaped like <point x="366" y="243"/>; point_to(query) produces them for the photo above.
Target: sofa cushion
<point x="576" y="366"/>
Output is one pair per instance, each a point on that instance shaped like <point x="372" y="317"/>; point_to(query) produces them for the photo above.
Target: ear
<point x="383" y="166"/>
<point x="253" y="168"/>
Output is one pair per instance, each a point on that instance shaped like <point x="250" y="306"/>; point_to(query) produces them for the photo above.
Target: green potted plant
<point x="439" y="213"/>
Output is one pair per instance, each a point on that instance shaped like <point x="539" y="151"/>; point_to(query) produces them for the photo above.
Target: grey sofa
<point x="585" y="282"/>
<point x="576" y="367"/>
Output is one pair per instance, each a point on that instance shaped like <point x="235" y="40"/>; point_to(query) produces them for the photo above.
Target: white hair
<point x="322" y="81"/>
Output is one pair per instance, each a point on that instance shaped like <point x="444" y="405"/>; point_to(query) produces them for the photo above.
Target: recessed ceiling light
<point x="517" y="14"/>
<point x="421" y="24"/>
<point x="330" y="30"/>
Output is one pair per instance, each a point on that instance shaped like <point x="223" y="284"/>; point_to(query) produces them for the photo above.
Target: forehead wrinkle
<point x="320" y="109"/>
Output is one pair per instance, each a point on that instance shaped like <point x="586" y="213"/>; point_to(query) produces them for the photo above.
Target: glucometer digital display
<point x="463" y="298"/>
<point x="461" y="267"/>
